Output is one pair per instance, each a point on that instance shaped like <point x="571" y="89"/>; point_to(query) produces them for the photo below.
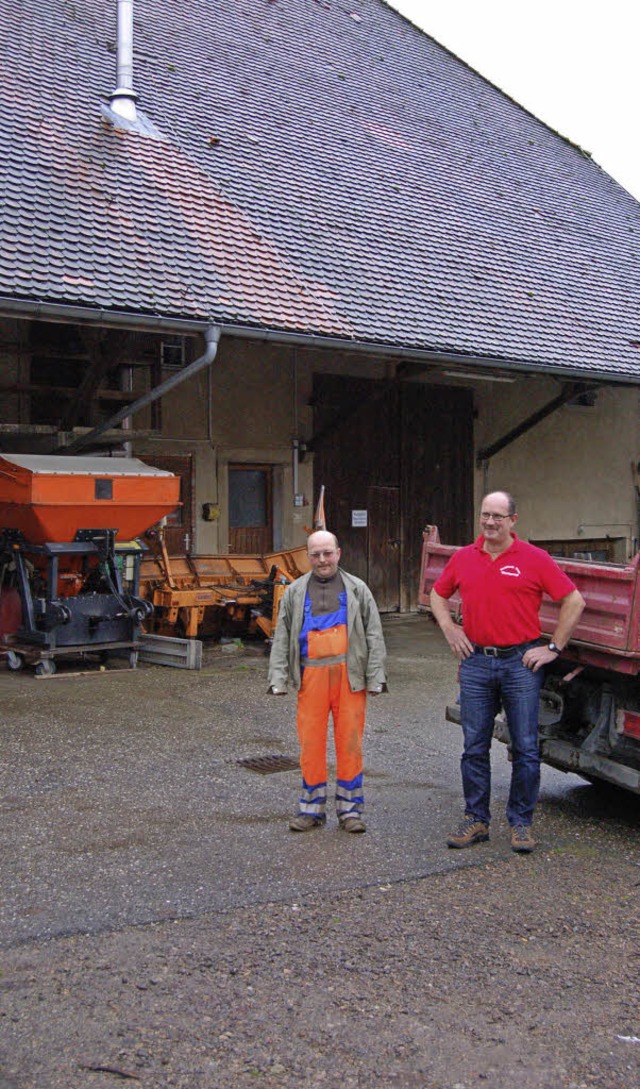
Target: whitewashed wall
<point x="574" y="474"/>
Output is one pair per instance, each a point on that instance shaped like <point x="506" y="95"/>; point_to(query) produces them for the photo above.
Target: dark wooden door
<point x="408" y="436"/>
<point x="356" y="447"/>
<point x="179" y="524"/>
<point x="250" y="509"/>
<point x="437" y="472"/>
<point x="383" y="547"/>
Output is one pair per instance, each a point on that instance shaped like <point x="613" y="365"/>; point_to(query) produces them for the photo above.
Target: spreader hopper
<point x="53" y="497"/>
<point x="69" y="560"/>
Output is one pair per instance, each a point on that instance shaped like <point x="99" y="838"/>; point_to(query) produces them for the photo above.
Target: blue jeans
<point x="485" y="684"/>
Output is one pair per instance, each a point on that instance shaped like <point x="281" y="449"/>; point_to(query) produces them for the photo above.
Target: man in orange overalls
<point x="328" y="642"/>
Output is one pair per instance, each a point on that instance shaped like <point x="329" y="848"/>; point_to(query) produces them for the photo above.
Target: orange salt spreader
<point x="69" y="561"/>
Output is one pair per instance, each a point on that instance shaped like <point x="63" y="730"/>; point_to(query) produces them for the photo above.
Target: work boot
<point x="352" y="823"/>
<point x="304" y="822"/>
<point x="521" y="839"/>
<point x="471" y="831"/>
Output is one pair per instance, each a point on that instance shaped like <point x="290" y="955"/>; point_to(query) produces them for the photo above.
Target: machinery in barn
<point x="69" y="554"/>
<point x="589" y="720"/>
<point x="232" y="595"/>
<point x="219" y="595"/>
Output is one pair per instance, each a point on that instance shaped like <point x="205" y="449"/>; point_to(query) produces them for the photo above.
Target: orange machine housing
<point x="201" y="595"/>
<point x="69" y="563"/>
<point x="52" y="497"/>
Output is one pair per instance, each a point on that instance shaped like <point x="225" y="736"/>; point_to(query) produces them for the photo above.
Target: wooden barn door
<point x="355" y="451"/>
<point x="437" y="472"/>
<point x="392" y="456"/>
<point x="383" y="555"/>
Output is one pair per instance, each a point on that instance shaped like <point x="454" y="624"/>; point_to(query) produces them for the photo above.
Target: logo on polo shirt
<point x="511" y="569"/>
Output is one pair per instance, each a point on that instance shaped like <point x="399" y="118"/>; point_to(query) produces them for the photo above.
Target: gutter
<point x="85" y="315"/>
<point x="93" y="315"/>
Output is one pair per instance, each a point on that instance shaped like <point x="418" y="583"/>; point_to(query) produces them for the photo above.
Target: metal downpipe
<point x="212" y="338"/>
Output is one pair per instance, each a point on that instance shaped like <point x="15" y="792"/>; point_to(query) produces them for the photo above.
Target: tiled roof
<point x="311" y="166"/>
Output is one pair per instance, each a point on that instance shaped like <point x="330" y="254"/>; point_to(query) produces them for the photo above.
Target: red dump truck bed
<point x="608" y="634"/>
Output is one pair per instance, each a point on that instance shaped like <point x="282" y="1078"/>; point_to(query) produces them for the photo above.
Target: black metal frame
<point x="95" y="619"/>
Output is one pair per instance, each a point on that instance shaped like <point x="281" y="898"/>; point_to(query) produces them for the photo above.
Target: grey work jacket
<point x="366" y="652"/>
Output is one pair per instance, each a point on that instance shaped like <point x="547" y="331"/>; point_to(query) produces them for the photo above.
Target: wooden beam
<point x="568" y="392"/>
<point x="64" y="391"/>
<point x="107" y="350"/>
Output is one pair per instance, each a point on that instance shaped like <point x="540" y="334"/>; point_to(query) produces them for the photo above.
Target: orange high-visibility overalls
<point x="325" y="688"/>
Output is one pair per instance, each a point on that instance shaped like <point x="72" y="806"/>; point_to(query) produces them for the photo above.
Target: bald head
<point x="497" y="520"/>
<point x="502" y="498"/>
<point x="324" y="553"/>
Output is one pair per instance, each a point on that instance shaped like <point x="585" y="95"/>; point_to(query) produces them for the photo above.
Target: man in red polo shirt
<point x="501" y="580"/>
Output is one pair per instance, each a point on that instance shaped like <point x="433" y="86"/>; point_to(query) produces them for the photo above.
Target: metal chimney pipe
<point x="123" y="99"/>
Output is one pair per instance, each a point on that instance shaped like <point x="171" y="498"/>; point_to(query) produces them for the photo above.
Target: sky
<point x="572" y="64"/>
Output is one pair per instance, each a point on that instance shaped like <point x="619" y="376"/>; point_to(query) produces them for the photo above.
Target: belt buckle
<point x="491" y="652"/>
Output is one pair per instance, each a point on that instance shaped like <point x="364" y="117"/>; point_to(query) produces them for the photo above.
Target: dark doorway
<point x="437" y="472"/>
<point x="250" y="509"/>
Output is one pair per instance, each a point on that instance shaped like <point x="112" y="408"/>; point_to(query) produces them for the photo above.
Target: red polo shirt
<point x="501" y="598"/>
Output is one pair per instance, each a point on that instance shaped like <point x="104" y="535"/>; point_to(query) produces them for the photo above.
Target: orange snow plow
<point x="214" y="595"/>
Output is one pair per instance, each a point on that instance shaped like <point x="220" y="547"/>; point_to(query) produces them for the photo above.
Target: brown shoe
<point x="352" y="824"/>
<point x="304" y="822"/>
<point x="521" y="839"/>
<point x="471" y="831"/>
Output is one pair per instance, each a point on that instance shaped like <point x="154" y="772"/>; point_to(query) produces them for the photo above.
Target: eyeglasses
<point x="496" y="517"/>
<point x="319" y="555"/>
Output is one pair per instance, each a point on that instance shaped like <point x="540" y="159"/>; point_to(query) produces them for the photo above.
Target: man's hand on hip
<point x="460" y="643"/>
<point x="536" y="657"/>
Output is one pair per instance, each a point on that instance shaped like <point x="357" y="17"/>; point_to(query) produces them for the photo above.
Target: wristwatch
<point x="554" y="648"/>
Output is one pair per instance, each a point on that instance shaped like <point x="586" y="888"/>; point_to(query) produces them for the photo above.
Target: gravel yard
<point x="160" y="926"/>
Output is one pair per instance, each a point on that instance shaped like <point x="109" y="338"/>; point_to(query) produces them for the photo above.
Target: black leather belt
<point x="506" y="652"/>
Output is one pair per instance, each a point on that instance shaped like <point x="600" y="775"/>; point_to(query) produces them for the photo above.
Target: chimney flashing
<point x="141" y="124"/>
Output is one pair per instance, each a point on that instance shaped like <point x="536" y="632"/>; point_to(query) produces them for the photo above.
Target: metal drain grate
<point x="267" y="765"/>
